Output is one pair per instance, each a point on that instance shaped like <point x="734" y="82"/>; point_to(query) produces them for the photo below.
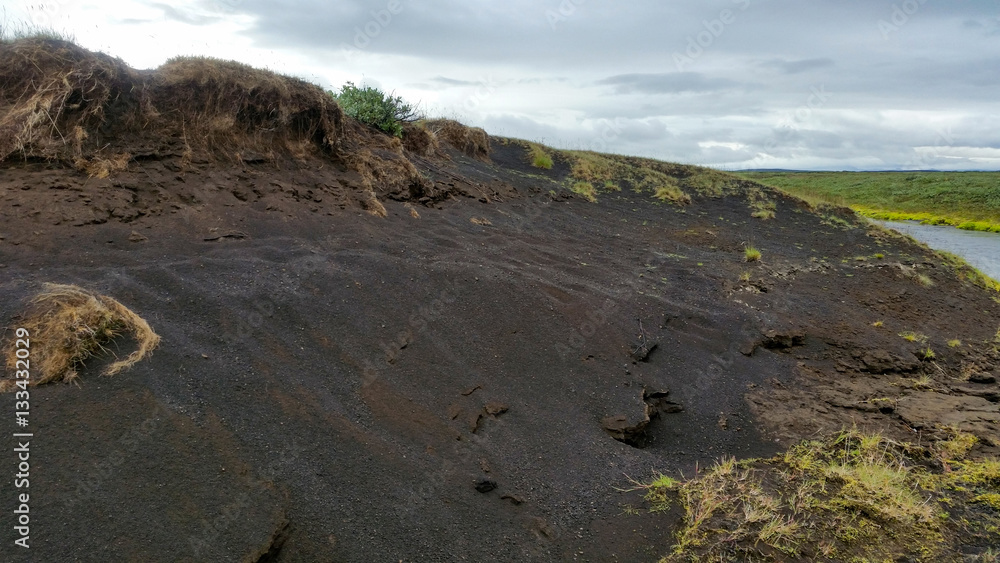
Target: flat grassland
<point x="967" y="200"/>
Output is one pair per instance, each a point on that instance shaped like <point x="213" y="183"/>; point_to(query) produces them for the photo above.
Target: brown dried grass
<point x="48" y="88"/>
<point x="61" y="102"/>
<point x="472" y="141"/>
<point x="420" y="140"/>
<point x="68" y="325"/>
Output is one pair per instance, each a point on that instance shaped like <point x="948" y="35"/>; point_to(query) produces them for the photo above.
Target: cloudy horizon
<point x="734" y="84"/>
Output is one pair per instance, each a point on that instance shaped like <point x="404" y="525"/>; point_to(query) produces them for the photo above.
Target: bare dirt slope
<point x="385" y="353"/>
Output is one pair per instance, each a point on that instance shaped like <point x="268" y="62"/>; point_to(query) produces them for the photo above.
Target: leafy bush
<point x="372" y="106"/>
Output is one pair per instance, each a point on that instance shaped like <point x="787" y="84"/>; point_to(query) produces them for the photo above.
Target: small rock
<point x="774" y="340"/>
<point x="136" y="236"/>
<point x="982" y="378"/>
<point x="474" y="421"/>
<point x="495" y="408"/>
<point x="991" y="395"/>
<point x="515" y="500"/>
<point x="485" y="485"/>
<point x="641" y="351"/>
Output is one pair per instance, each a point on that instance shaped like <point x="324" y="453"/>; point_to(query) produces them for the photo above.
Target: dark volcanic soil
<point x="448" y="383"/>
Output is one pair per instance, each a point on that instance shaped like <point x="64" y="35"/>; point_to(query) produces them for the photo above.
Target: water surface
<point x="982" y="250"/>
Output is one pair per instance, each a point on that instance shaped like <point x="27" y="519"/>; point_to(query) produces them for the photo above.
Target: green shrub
<point x="539" y="158"/>
<point x="373" y="107"/>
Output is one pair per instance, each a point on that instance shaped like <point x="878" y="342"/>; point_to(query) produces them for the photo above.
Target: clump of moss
<point x="761" y="207"/>
<point x="641" y="175"/>
<point x="669" y="192"/>
<point x="851" y="497"/>
<point x="585" y="189"/>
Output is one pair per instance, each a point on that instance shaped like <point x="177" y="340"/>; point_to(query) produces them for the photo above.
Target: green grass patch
<point x="967" y="272"/>
<point x="967" y="200"/>
<point x="613" y="172"/>
<point x="585" y="189"/>
<point x="751" y="254"/>
<point x="539" y="157"/>
<point x="850" y="497"/>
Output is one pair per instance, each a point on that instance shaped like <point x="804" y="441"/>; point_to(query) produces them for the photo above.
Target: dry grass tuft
<point x="472" y="141"/>
<point x="69" y="324"/>
<point x="420" y="140"/>
<point x="48" y="88"/>
<point x="97" y="167"/>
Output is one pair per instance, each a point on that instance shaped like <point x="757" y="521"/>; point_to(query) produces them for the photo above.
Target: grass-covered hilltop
<point x="311" y="325"/>
<point x="967" y="200"/>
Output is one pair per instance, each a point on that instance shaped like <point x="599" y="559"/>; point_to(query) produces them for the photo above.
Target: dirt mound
<point x="62" y="102"/>
<point x="420" y="140"/>
<point x="56" y="96"/>
<point x="472" y="141"/>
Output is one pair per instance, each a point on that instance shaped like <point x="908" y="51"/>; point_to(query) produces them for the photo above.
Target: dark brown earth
<point x="471" y="377"/>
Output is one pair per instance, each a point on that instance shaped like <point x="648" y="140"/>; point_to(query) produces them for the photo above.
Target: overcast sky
<point x="803" y="84"/>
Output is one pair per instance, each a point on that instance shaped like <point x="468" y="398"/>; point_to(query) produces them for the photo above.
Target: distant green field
<point x="968" y="200"/>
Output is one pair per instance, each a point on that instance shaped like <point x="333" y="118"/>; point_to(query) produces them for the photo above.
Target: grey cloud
<point x="453" y="81"/>
<point x="184" y="17"/>
<point x="796" y="67"/>
<point x="666" y="83"/>
<point x="943" y="63"/>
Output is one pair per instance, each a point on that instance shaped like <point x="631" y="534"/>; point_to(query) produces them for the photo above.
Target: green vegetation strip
<point x="853" y="497"/>
<point x="967" y="200"/>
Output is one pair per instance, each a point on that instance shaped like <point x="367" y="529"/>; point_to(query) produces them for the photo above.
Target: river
<point x="982" y="250"/>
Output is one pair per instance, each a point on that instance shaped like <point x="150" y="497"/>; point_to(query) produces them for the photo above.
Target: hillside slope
<point x="429" y="349"/>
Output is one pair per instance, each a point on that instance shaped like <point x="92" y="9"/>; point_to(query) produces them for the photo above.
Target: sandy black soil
<point x="460" y="379"/>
